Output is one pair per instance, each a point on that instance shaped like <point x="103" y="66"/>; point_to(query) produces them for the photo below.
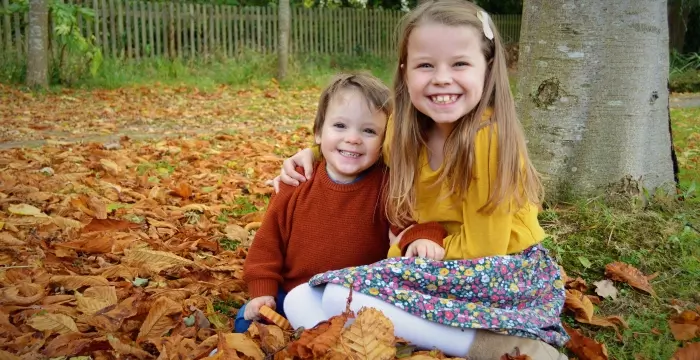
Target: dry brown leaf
<point x="685" y="326"/>
<point x="585" y="348"/>
<point x="57" y="323"/>
<point x="112" y="320"/>
<point x="690" y="351"/>
<point x="95" y="299"/>
<point x="620" y="271"/>
<point x="4" y="355"/>
<point x="90" y="244"/>
<point x="318" y="341"/>
<point x="109" y="224"/>
<point x="11" y="295"/>
<point x="75" y="282"/>
<point x="182" y="189"/>
<point x="370" y="337"/>
<point x="579" y="304"/>
<point x="154" y="260"/>
<point x="271" y="337"/>
<point x="240" y="343"/>
<point x="159" y="319"/>
<point x="7" y="239"/>
<point x="126" y="349"/>
<point x="253" y="226"/>
<point x="70" y="344"/>
<point x="610" y="321"/>
<point x="110" y="167"/>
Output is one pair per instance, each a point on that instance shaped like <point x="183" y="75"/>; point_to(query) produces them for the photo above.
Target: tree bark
<point x="283" y="43"/>
<point x="593" y="94"/>
<point x="38" y="63"/>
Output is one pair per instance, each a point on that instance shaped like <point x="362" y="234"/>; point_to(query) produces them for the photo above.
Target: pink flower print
<point x="449" y="315"/>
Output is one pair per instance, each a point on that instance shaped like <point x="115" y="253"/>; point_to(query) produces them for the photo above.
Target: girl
<point x="458" y="157"/>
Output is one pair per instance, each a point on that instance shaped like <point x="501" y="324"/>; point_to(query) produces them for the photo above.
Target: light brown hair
<point x="377" y="94"/>
<point x="516" y="181"/>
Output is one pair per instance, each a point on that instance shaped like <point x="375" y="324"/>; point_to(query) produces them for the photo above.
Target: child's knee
<point x="302" y="306"/>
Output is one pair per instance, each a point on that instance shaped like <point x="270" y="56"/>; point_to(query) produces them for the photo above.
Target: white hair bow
<point x="484" y="17"/>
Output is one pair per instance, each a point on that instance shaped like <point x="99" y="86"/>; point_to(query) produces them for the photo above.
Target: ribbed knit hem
<point x="430" y="231"/>
<point x="263" y="288"/>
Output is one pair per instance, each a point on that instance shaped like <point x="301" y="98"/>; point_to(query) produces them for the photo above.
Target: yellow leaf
<point x="95" y="299"/>
<point x="370" y="337"/>
<point x="58" y="323"/>
<point x="580" y="304"/>
<point x="74" y="282"/>
<point x="126" y="349"/>
<point x="26" y="209"/>
<point x="155" y="260"/>
<point x="110" y="166"/>
<point x="2" y="224"/>
<point x="236" y="232"/>
<point x="243" y="344"/>
<point x="158" y="321"/>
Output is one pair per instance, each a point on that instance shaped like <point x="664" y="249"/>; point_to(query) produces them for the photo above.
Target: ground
<point x="120" y="197"/>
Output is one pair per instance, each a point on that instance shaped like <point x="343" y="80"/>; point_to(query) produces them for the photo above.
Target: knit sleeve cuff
<point x="263" y="287"/>
<point x="432" y="231"/>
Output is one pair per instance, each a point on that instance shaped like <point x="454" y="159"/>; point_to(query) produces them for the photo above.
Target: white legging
<point x="307" y="306"/>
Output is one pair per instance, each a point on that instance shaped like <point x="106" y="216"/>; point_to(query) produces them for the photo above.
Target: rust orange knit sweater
<point x="319" y="226"/>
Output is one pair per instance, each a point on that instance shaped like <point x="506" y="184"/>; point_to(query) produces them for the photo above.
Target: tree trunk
<point x="593" y="94"/>
<point x="38" y="63"/>
<point x="283" y="47"/>
<point x="677" y="23"/>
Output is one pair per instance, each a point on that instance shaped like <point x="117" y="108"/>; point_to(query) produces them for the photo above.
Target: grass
<point x="248" y="69"/>
<point x="660" y="235"/>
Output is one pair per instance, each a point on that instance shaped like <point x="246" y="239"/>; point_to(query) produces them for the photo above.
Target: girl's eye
<point x="371" y="131"/>
<point x="461" y="63"/>
<point x="424" y="65"/>
<point x="339" y="125"/>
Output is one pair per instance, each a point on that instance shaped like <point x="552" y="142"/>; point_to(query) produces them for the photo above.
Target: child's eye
<point x="371" y="131"/>
<point x="461" y="63"/>
<point x="424" y="65"/>
<point x="339" y="125"/>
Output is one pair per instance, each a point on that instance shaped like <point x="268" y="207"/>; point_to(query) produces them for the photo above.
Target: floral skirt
<point x="520" y="294"/>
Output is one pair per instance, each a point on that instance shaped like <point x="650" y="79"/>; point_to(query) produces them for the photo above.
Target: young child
<point x="458" y="157"/>
<point x="337" y="219"/>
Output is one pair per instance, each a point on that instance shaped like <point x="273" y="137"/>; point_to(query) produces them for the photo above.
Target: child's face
<point x="351" y="136"/>
<point x="445" y="71"/>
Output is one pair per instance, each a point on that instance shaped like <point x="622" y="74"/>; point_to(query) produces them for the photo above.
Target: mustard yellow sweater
<point x="471" y="234"/>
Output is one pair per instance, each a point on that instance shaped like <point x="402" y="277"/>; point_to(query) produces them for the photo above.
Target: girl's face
<point x="445" y="71"/>
<point x="351" y="136"/>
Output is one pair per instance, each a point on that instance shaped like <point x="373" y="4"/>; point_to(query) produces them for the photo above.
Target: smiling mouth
<point x="349" y="153"/>
<point x="444" y="99"/>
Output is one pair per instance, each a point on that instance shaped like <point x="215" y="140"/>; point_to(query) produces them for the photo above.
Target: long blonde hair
<point x="516" y="178"/>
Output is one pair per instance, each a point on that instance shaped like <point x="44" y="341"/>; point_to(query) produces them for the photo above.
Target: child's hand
<point x="289" y="175"/>
<point x="252" y="309"/>
<point x="426" y="249"/>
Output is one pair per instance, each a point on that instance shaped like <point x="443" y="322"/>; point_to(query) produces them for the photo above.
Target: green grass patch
<point x="685" y="124"/>
<point x="248" y="69"/>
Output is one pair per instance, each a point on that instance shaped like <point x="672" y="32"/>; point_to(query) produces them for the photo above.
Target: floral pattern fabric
<point x="520" y="294"/>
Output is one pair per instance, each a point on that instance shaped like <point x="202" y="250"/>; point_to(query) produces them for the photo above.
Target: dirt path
<point x="104" y="116"/>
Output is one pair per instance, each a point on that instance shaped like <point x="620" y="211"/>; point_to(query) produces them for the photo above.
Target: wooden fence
<point x="138" y="29"/>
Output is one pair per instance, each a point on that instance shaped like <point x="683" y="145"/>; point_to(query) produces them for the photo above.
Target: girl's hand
<point x="252" y="309"/>
<point x="426" y="249"/>
<point x="289" y="175"/>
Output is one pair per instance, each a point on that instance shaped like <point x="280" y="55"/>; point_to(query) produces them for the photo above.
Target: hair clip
<point x="484" y="17"/>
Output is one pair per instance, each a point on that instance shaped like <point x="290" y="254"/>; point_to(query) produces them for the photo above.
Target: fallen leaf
<point x="236" y="232"/>
<point x="8" y="239"/>
<point x="75" y="282"/>
<point x="154" y="260"/>
<point x="583" y="347"/>
<point x="109" y="224"/>
<point x="320" y="339"/>
<point x="95" y="299"/>
<point x="690" y="351"/>
<point x="244" y="345"/>
<point x="619" y="271"/>
<point x="110" y="166"/>
<point x="126" y="349"/>
<point x="159" y="319"/>
<point x="685" y="326"/>
<point x="26" y="210"/>
<point x="371" y="336"/>
<point x="271" y="337"/>
<point x="183" y="190"/>
<point x="579" y="304"/>
<point x="57" y="323"/>
<point x="606" y="288"/>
